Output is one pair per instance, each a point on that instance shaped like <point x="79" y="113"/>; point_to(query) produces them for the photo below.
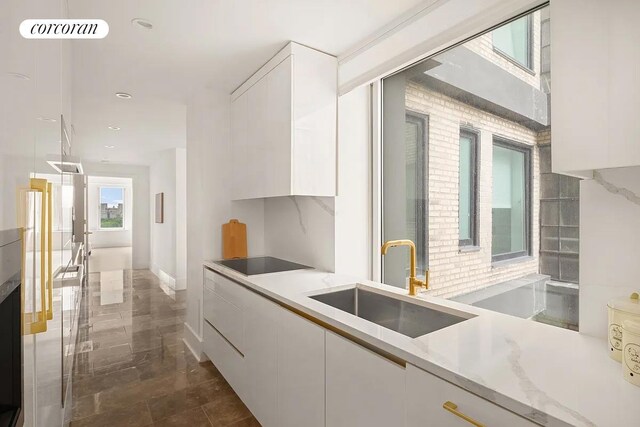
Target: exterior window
<point x="416" y="187"/>
<point x="111" y="208"/>
<point x="404" y="191"/>
<point x="511" y="208"/>
<point x="467" y="193"/>
<point x="514" y="40"/>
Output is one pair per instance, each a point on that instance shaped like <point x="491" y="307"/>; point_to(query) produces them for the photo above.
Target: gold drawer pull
<point x="453" y="408"/>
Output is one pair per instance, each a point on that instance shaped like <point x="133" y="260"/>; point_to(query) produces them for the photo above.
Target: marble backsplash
<point x="609" y="243"/>
<point x="301" y="229"/>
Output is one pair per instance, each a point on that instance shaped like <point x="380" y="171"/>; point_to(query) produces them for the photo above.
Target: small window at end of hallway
<point x="112" y="208"/>
<point x="467" y="195"/>
<point x="514" y="41"/>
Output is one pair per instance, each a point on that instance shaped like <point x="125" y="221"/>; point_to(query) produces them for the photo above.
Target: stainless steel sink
<point x="409" y="319"/>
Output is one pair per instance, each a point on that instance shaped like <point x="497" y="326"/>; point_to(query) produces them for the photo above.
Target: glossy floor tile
<point x="132" y="368"/>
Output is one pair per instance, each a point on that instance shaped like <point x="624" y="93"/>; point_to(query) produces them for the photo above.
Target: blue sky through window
<point x="112" y="196"/>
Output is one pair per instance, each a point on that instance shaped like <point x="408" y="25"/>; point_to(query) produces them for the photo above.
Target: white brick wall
<point x="453" y="272"/>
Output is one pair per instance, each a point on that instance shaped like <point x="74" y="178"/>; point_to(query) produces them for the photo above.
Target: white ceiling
<point x="194" y="44"/>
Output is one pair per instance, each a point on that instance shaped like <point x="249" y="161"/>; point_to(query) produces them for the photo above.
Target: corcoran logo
<point x="64" y="29"/>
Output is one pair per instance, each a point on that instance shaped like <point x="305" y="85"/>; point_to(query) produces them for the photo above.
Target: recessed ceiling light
<point x="19" y="76"/>
<point x="109" y="146"/>
<point x="46" y="119"/>
<point x="123" y="95"/>
<point x="142" y="23"/>
<point x="114" y="128"/>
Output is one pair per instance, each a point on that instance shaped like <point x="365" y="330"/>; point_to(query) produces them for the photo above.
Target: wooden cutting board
<point x="234" y="240"/>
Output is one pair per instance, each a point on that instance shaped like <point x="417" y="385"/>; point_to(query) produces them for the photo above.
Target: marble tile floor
<point x="132" y="368"/>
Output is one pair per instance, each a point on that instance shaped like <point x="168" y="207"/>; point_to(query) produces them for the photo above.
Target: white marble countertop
<point x="553" y="376"/>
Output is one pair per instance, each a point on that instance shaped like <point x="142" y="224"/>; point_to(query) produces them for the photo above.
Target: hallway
<point x="132" y="368"/>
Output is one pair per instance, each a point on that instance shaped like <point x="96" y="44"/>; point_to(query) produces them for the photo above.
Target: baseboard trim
<point x="181" y="284"/>
<point x="194" y="343"/>
<point x="166" y="278"/>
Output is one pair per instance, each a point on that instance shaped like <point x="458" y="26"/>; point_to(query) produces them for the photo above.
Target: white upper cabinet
<point x="595" y="102"/>
<point x="284" y="127"/>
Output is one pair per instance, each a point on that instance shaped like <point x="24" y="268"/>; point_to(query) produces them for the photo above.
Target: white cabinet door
<point x="594" y="104"/>
<point x="362" y="387"/>
<point x="255" y="165"/>
<point x="426" y="395"/>
<point x="239" y="149"/>
<point x="261" y="340"/>
<point x="279" y="124"/>
<point x="284" y="127"/>
<point x="301" y="374"/>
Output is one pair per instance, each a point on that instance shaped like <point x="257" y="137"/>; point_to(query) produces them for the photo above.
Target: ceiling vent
<point x="66" y="164"/>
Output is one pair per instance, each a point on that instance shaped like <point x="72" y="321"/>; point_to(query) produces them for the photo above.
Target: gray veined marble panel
<point x="300" y="216"/>
<point x="612" y="188"/>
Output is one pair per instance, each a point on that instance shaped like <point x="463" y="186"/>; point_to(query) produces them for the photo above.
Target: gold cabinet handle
<point x="453" y="408"/>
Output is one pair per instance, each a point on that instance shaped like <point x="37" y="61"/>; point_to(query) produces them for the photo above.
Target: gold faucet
<point x="413" y="281"/>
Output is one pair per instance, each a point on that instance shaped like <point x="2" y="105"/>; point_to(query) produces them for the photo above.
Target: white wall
<point x="609" y="243"/>
<point x="208" y="198"/>
<point x="140" y="219"/>
<point x="353" y="219"/>
<point x="181" y="218"/>
<point x="110" y="238"/>
<point x="167" y="175"/>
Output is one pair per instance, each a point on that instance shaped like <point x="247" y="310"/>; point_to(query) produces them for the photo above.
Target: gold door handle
<point x="50" y="249"/>
<point x="453" y="408"/>
<point x="40" y="324"/>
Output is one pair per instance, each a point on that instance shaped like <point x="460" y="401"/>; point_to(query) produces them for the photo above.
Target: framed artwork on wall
<point x="159" y="208"/>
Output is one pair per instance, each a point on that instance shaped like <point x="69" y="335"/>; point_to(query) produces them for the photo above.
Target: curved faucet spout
<point x="413" y="281"/>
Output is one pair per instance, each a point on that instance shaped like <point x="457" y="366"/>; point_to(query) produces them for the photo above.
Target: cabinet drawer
<point x="426" y="395"/>
<point x="225" y="317"/>
<point x="224" y="305"/>
<point x="228" y="360"/>
<point x="231" y="291"/>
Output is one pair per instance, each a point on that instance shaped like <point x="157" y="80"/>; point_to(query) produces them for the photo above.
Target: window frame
<point x="422" y="175"/>
<point x="529" y="65"/>
<point x="124" y="208"/>
<point x="474" y="135"/>
<point x="527" y="150"/>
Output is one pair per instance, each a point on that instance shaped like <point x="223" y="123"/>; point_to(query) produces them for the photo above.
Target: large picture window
<point x="511" y="207"/>
<point x="467" y="194"/>
<point x="112" y="208"/>
<point x="514" y="41"/>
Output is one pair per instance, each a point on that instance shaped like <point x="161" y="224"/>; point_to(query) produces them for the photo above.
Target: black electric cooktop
<point x="260" y="265"/>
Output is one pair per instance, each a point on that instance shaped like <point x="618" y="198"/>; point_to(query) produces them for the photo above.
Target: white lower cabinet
<point x="228" y="360"/>
<point x="261" y="341"/>
<point x="301" y="375"/>
<point x="426" y="395"/>
<point x="284" y="366"/>
<point x="362" y="387"/>
<point x="292" y="372"/>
